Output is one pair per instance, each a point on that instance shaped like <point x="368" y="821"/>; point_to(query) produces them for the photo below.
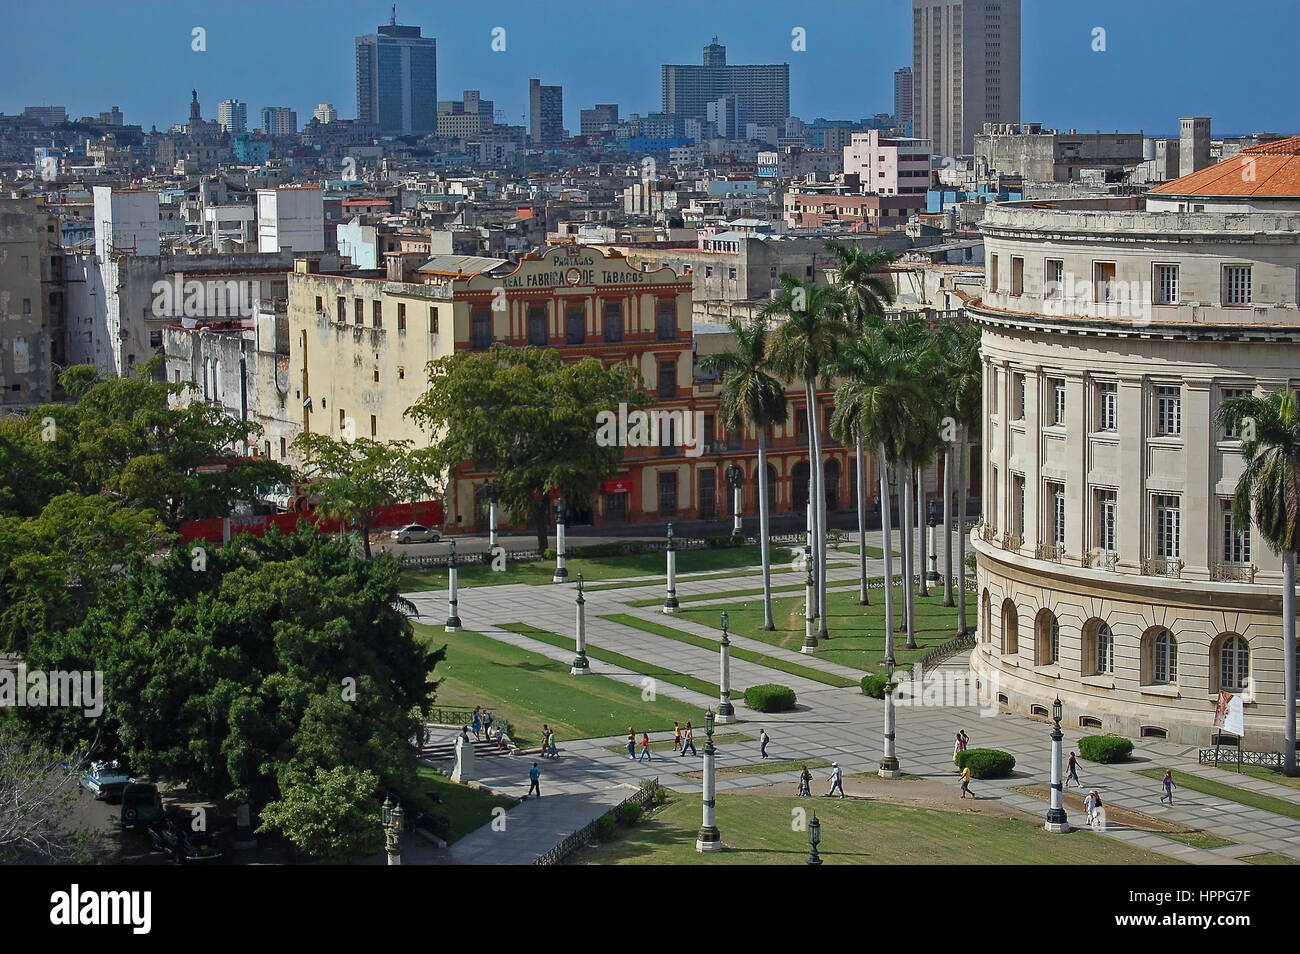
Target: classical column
<point x="561" y="571"/>
<point x="726" y="711"/>
<point x="453" y="619"/>
<point x="670" y="597"/>
<point x="709" y="838"/>
<point x="580" y="665"/>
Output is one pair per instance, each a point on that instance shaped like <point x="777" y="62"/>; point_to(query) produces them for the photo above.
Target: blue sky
<point x="1163" y="58"/>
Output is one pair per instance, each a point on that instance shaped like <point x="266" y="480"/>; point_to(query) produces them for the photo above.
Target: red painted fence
<point x="218" y="529"/>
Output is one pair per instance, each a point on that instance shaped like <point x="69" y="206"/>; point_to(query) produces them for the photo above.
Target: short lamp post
<point x="889" y="763"/>
<point x="814" y="839"/>
<point x="709" y="838"/>
<point x="491" y="493"/>
<point x="670" y="597"/>
<point x="561" y="571"/>
<point x="393" y="819"/>
<point x="453" y="618"/>
<point x="580" y="665"/>
<point x="726" y="711"/>
<point x="735" y="480"/>
<point x="1056" y="820"/>
<point x="932" y="520"/>
<point x="810" y="605"/>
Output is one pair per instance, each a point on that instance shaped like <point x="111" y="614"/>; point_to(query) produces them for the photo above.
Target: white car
<point x="415" y="533"/>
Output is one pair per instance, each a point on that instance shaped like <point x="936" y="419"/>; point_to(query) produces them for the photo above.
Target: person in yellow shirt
<point x="677" y="737"/>
<point x="965" y="783"/>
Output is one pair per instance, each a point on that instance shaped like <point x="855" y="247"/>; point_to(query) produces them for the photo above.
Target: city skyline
<point x="1065" y="82"/>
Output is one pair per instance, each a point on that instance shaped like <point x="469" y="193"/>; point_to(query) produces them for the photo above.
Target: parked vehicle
<point x="415" y="533"/>
<point x="184" y="846"/>
<point x="141" y="806"/>
<point x="106" y="780"/>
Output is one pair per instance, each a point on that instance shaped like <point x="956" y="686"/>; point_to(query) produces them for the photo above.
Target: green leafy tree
<point x="30" y="470"/>
<point x="1268" y="494"/>
<point x="531" y="418"/>
<point x="355" y="479"/>
<point x="752" y="396"/>
<point x="332" y="814"/>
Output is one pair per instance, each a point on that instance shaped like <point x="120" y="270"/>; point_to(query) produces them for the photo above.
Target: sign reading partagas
<point x="571" y="267"/>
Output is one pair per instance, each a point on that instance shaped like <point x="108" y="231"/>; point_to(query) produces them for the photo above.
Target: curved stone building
<point x="1110" y="571"/>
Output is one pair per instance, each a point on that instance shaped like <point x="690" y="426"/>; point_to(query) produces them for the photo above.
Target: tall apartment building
<point x="728" y="116"/>
<point x="468" y="116"/>
<point x="762" y="90"/>
<point x="233" y="116"/>
<point x="326" y="113"/>
<point x="32" y="330"/>
<point x="279" y="121"/>
<point x="601" y="119"/>
<point x="903" y="96"/>
<point x="965" y="69"/>
<point x="546" y="114"/>
<point x="397" y="80"/>
<point x="888" y="166"/>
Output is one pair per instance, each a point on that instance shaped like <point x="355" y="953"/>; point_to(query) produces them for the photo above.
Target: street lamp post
<point x="726" y="711"/>
<point x="889" y="763"/>
<point x="709" y="838"/>
<point x="809" y="605"/>
<point x="453" y="619"/>
<point x="814" y="839"/>
<point x="1056" y="820"/>
<point x="736" y="480"/>
<point x="392" y="819"/>
<point x="492" y="515"/>
<point x="932" y="519"/>
<point x="561" y="571"/>
<point x="580" y="665"/>
<point x="670" y="597"/>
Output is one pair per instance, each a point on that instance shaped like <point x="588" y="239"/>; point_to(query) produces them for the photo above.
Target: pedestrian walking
<point x="688" y="740"/>
<point x="762" y="743"/>
<point x="487" y="725"/>
<point x="551" y="750"/>
<point x="965" y="783"/>
<point x="1090" y="806"/>
<point x="477" y="724"/>
<point x="965" y="740"/>
<point x="645" y="748"/>
<point x="677" y="737"/>
<point x="805" y="783"/>
<point x="956" y="747"/>
<point x="501" y="739"/>
<point x="546" y="735"/>
<point x="631" y="744"/>
<point x="1169" y="787"/>
<point x="1073" y="771"/>
<point x="534" y="781"/>
<point x="836" y="780"/>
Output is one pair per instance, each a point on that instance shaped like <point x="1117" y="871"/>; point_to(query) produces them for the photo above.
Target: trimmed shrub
<point x="1105" y="748"/>
<point x="717" y="542"/>
<point x="874" y="685"/>
<point x="605" y="827"/>
<point x="629" y="813"/>
<point x="549" y="553"/>
<point x="770" y="697"/>
<point x="737" y="538"/>
<point x="987" y="763"/>
<point x="658" y="794"/>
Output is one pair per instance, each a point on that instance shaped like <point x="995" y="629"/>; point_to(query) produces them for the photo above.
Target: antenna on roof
<point x="393" y="21"/>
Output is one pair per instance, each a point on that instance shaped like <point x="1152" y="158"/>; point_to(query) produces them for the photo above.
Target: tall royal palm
<point x="865" y="293"/>
<point x="811" y="328"/>
<point x="1268" y="491"/>
<point x="752" y="396"/>
<point x="963" y="398"/>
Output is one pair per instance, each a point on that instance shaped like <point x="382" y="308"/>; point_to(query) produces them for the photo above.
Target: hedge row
<point x="987" y="763"/>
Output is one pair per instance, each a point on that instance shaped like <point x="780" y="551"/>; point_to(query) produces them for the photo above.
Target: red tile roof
<point x="1270" y="170"/>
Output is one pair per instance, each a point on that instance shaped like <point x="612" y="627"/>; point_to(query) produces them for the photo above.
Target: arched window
<point x="986" y="618"/>
<point x="1233" y="660"/>
<point x="1097" y="657"/>
<point x="1047" y="638"/>
<point x="1010" y="629"/>
<point x="1160" y="657"/>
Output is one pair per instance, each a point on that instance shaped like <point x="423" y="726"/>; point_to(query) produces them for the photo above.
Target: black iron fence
<point x="586" y="834"/>
<point x="951" y="648"/>
<point x="1234" y="756"/>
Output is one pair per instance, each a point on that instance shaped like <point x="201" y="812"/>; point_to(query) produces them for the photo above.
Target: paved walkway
<point x="832" y="724"/>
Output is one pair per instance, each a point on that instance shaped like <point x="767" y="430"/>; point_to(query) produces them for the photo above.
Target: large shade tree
<point x="752" y="396"/>
<point x="1268" y="496"/>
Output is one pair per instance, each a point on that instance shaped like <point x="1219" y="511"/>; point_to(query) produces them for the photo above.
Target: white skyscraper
<point x="233" y="116"/>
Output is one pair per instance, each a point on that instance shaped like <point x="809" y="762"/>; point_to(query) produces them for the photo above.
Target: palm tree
<point x="1269" y="491"/>
<point x="963" y="397"/>
<point x="751" y="395"/>
<point x="865" y="295"/>
<point x="803" y="347"/>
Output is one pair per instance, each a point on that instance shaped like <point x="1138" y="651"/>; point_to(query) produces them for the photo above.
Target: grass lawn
<point x="1262" y="772"/>
<point x="758" y="830"/>
<point x="528" y="690"/>
<point x="1197" y="839"/>
<point x="777" y="587"/>
<point x="763" y="768"/>
<point x="667" y="744"/>
<point x="614" y="659"/>
<point x="592" y="568"/>
<point x="1230" y="793"/>
<point x="463" y="808"/>
<point x="1271" y="858"/>
<point x="671" y="632"/>
<point x="857" y="632"/>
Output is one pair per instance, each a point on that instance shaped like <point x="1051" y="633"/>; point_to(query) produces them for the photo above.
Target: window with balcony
<point x="1169" y="411"/>
<point x="613" y="321"/>
<point x="1165" y="284"/>
<point x="1017" y="396"/>
<point x="1018" y="505"/>
<point x="993" y="274"/>
<point x="1055" y="514"/>
<point x="1107" y="508"/>
<point x="1168" y="526"/>
<point x="666" y="318"/>
<point x="1107" y="406"/>
<point x="1236" y="286"/>
<point x="1236" y="537"/>
<point x="1233" y="431"/>
<point x="480" y="335"/>
<point x="575" y="325"/>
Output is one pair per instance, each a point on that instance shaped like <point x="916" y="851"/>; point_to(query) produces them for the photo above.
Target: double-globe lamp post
<point x="561" y="571"/>
<point x="453" y="617"/>
<point x="580" y="665"/>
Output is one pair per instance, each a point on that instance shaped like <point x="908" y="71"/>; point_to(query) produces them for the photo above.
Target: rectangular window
<point x="1017" y="275"/>
<point x="993" y="273"/>
<point x="1018" y="505"/>
<point x="1169" y="410"/>
<point x="1168" y="525"/>
<point x="480" y="338"/>
<point x="1236" y="540"/>
<point x="537" y="325"/>
<point x="1233" y="431"/>
<point x="1103" y="281"/>
<point x="1056" y="394"/>
<point x="667" y="378"/>
<point x="1107" y="523"/>
<point x="1017" y="396"/>
<point x="613" y="321"/>
<point x="575" y="324"/>
<point x="1056" y="513"/>
<point x="1107" y="406"/>
<point x="359" y="311"/>
<point x="374" y="426"/>
<point x="320" y="305"/>
<point x="1054" y="289"/>
<point x="433" y="320"/>
<point x="668" y="495"/>
<point x="342" y="316"/>
<point x="666" y="318"/>
<point x="377" y="313"/>
<point x="1236" y="285"/>
<point x="1165" y="284"/>
<point x="401" y="316"/>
